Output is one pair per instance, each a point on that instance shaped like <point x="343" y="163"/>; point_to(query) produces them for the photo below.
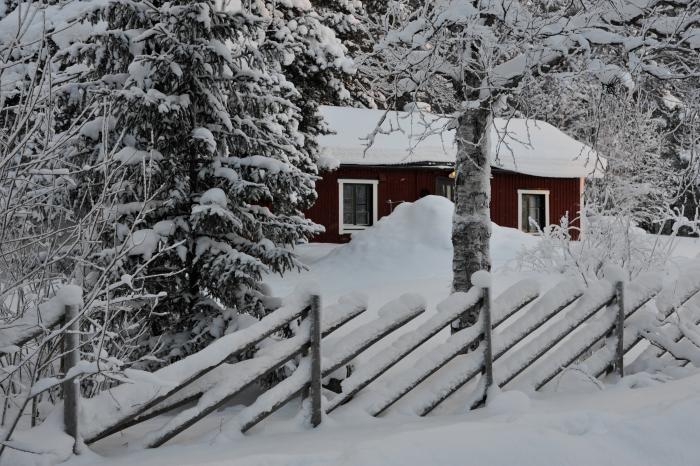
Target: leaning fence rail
<point x="406" y="344"/>
<point x="586" y="338"/>
<point x="353" y="344"/>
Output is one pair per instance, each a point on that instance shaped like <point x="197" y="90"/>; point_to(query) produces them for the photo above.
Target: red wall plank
<point x="398" y="184"/>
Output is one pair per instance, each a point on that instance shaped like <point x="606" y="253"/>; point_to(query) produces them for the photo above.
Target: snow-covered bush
<point x="638" y="192"/>
<point x="604" y="241"/>
<point x="49" y="248"/>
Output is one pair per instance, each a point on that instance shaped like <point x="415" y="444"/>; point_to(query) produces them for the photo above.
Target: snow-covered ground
<point x="651" y="424"/>
<point x="642" y="420"/>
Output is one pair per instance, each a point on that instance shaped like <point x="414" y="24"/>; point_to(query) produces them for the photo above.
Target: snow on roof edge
<point x="526" y="146"/>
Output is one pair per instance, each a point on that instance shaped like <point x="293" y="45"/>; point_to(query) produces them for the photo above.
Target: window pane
<point x="524" y="213"/>
<point x="348" y="204"/>
<point x="363" y="204"/>
<point x="363" y="218"/>
<point x="357" y="204"/>
<point x="361" y="193"/>
<point x="533" y="210"/>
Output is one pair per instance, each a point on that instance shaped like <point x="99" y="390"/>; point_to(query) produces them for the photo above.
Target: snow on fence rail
<point x="671" y="301"/>
<point x="636" y="295"/>
<point x="637" y="323"/>
<point x="391" y="317"/>
<point x="207" y="378"/>
<point x="35" y="323"/>
<point x="62" y="309"/>
<point x="587" y="316"/>
<point x="448" y="311"/>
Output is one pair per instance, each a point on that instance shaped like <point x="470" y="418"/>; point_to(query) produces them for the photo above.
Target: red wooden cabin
<point x="537" y="171"/>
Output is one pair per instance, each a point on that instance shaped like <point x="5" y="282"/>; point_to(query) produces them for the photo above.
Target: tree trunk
<point x="471" y="225"/>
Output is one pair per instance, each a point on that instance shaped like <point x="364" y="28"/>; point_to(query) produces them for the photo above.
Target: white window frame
<point x="345" y="229"/>
<point x="520" y="206"/>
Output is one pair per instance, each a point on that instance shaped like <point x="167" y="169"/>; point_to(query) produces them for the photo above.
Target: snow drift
<point x="413" y="243"/>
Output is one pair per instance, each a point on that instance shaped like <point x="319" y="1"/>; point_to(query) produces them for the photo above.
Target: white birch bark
<point x="471" y="225"/>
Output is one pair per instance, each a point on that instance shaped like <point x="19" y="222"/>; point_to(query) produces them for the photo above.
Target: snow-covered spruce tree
<point x="194" y="116"/>
<point x="475" y="53"/>
<point x="349" y="20"/>
<point x="310" y="56"/>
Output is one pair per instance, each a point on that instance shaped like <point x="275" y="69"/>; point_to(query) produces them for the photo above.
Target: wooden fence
<point x="520" y="336"/>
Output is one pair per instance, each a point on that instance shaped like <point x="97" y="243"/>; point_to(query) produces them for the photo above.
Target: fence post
<point x="620" y="328"/>
<point x="488" y="347"/>
<point x="315" y="388"/>
<point x="71" y="388"/>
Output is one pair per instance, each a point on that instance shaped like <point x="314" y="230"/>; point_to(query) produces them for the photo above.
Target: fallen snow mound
<point x="414" y="242"/>
<point x="426" y="222"/>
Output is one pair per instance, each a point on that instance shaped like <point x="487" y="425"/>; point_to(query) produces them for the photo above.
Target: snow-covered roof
<point x="525" y="146"/>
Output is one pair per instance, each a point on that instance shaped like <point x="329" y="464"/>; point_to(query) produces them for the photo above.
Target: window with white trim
<point x="533" y="210"/>
<point x="358" y="204"/>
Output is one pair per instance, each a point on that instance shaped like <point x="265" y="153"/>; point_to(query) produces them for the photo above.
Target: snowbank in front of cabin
<point x="414" y="243"/>
<point x="413" y="247"/>
<point x="416" y="240"/>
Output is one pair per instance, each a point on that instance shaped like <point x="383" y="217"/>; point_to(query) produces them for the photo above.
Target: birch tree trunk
<point x="471" y="225"/>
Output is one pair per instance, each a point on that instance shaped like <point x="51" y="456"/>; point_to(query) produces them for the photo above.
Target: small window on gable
<point x="533" y="210"/>
<point x="358" y="204"/>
